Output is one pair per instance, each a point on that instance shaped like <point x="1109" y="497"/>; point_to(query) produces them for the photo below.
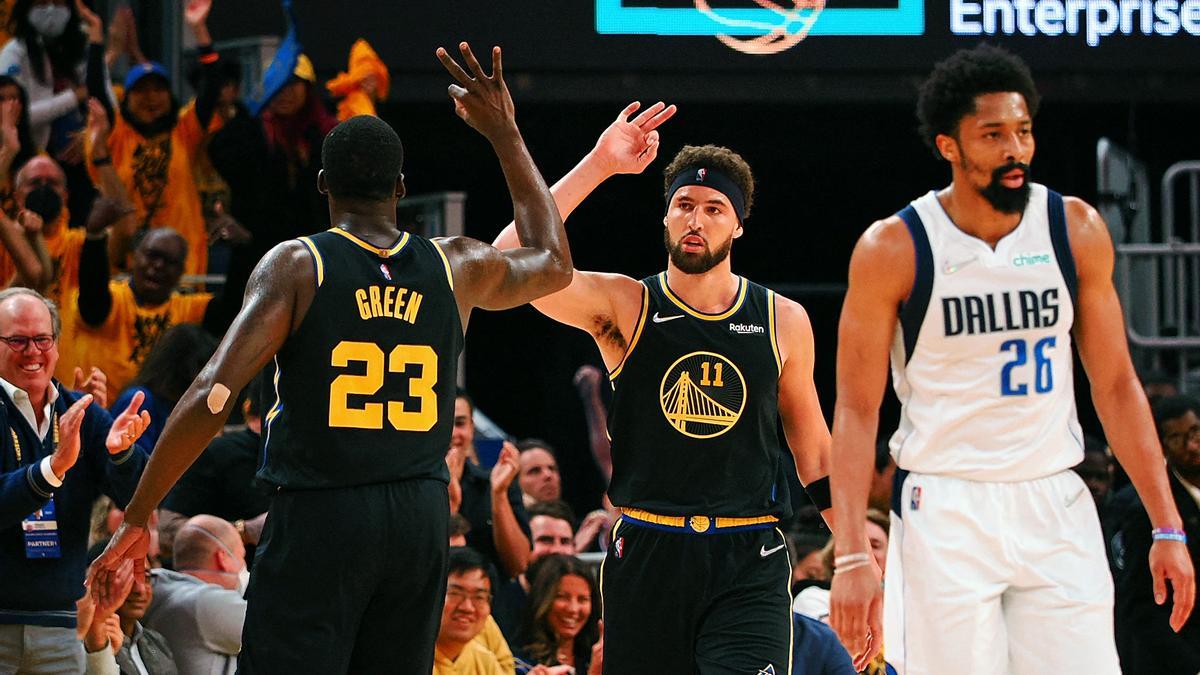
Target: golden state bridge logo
<point x="702" y="395"/>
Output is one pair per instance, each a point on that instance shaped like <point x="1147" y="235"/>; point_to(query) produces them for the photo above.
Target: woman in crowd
<point x="562" y="621"/>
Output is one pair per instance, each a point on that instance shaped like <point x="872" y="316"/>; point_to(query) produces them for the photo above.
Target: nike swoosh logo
<point x="660" y="319"/>
<point x="764" y="551"/>
<point x="952" y="267"/>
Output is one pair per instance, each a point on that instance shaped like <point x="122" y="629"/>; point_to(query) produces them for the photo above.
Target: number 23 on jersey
<point x="370" y="416"/>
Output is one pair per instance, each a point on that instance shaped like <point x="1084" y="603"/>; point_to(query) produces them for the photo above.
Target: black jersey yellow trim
<point x="446" y="262"/>
<point x="320" y="264"/>
<point x="637" y="333"/>
<point x="737" y="303"/>
<point x="771" y="328"/>
<point x="381" y="252"/>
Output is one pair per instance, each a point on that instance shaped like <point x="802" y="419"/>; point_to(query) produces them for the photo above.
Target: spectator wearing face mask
<point x="199" y="608"/>
<point x="48" y="55"/>
<point x="40" y="188"/>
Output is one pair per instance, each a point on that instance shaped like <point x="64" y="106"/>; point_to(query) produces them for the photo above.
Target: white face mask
<point x="49" y="20"/>
<point x="243" y="581"/>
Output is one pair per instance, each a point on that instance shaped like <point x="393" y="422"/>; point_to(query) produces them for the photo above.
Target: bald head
<point x="201" y="538"/>
<point x="41" y="169"/>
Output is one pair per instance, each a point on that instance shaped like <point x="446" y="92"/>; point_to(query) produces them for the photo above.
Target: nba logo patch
<point x="700" y="174"/>
<point x="914" y="501"/>
<point x="386" y="274"/>
<point x="619" y="547"/>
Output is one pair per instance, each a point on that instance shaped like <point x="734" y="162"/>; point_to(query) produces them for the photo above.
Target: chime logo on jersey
<point x="386" y="274"/>
<point x="702" y="395"/>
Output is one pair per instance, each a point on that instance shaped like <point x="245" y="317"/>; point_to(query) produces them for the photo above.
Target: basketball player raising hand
<point x="703" y="363"/>
<point x="364" y="323"/>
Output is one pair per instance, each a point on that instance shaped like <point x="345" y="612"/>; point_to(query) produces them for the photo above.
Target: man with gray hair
<point x="58" y="454"/>
<point x="199" y="608"/>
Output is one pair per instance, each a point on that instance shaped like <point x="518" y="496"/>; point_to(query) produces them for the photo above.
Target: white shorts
<point x="998" y="578"/>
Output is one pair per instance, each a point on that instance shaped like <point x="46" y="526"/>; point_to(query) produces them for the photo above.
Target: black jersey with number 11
<point x="695" y="409"/>
<point x="365" y="386"/>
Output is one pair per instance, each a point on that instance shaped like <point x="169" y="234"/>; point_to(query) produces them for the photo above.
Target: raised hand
<point x="481" y="100"/>
<point x="197" y="11"/>
<point x="456" y="461"/>
<point x="30" y="222"/>
<point x="596" y="667"/>
<point x="98" y="128"/>
<point x="508" y="465"/>
<point x="10" y="140"/>
<point x="128" y="426"/>
<point x="67" y="452"/>
<point x="92" y="25"/>
<point x="105" y="213"/>
<point x="96" y="382"/>
<point x="629" y="145"/>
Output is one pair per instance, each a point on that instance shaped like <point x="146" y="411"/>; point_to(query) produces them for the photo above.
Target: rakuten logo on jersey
<point x="1094" y="19"/>
<point x="746" y="328"/>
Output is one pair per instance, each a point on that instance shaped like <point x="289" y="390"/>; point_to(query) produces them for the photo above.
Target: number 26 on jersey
<point x="1014" y="376"/>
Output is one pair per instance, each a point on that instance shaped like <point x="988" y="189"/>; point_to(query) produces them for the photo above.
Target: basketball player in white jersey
<point x="996" y="561"/>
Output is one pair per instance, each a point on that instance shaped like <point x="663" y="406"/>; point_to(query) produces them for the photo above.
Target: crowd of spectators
<point x="112" y="200"/>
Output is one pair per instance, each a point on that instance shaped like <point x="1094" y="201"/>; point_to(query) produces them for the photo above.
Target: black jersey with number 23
<point x="366" y="384"/>
<point x="695" y="408"/>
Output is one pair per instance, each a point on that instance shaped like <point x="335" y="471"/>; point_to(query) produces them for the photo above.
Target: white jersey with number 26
<point x="981" y="359"/>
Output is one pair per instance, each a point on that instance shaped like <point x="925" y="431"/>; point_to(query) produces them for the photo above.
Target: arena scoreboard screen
<point x="825" y="38"/>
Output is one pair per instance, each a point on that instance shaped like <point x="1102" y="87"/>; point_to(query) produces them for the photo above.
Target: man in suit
<point x="1145" y="640"/>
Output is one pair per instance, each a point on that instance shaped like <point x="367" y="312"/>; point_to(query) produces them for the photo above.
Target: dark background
<point x="827" y="126"/>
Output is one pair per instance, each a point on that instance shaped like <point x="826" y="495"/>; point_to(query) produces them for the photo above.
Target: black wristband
<point x="101" y="161"/>
<point x="818" y="492"/>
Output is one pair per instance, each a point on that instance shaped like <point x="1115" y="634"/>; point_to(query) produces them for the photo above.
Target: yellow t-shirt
<point x="491" y="639"/>
<point x="119" y="346"/>
<point x="474" y="660"/>
<point x="65" y="246"/>
<point x="157" y="174"/>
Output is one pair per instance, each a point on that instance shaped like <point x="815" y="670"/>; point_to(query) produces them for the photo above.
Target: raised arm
<point x="799" y="407"/>
<point x="484" y="276"/>
<point x="277" y="297"/>
<point x="604" y="305"/>
<point x="881" y="276"/>
<point x="1121" y="402"/>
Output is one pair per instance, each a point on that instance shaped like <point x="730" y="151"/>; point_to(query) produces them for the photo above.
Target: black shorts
<point x="685" y="603"/>
<point x="349" y="580"/>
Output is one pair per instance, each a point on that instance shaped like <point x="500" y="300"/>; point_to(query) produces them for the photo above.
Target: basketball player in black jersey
<point x="702" y="363"/>
<point x="365" y="324"/>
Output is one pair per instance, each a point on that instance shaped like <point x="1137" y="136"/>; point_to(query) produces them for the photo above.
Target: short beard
<point x="1006" y="199"/>
<point x="695" y="263"/>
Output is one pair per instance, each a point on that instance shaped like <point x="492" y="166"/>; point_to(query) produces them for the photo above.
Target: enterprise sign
<point x="1094" y="19"/>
